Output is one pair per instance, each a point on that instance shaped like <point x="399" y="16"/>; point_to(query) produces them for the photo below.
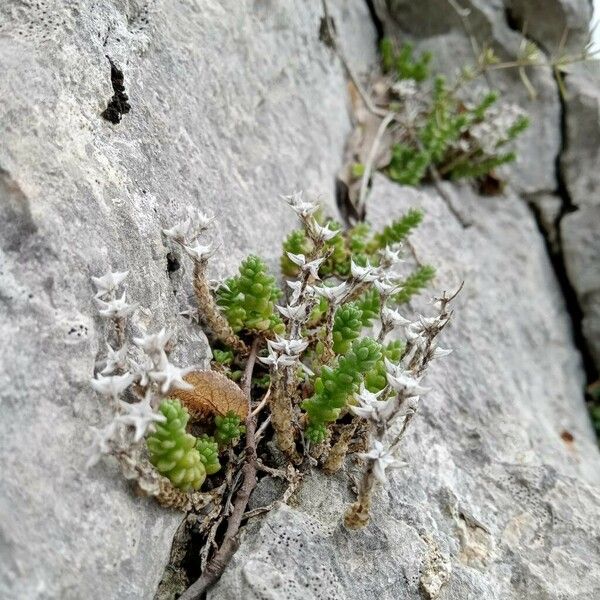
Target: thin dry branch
<point x="214" y="569"/>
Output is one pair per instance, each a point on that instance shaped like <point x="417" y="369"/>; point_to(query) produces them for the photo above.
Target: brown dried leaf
<point x="212" y="394"/>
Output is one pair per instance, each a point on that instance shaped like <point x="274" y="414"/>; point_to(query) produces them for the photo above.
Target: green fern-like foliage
<point x="403" y="62"/>
<point x="248" y="300"/>
<point x="208" y="449"/>
<point x="398" y="230"/>
<point x="408" y="165"/>
<point x="414" y="284"/>
<point x="172" y="450"/>
<point x="335" y="386"/>
<point x="228" y="428"/>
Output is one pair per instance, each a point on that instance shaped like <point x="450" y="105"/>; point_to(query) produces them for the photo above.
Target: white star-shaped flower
<point x="302" y="208"/>
<point x="382" y="460"/>
<point x="154" y="342"/>
<point x="112" y="385"/>
<point x="115" y="309"/>
<point x="140" y="371"/>
<point x="385" y="287"/>
<point x="406" y="384"/>
<point x="414" y="334"/>
<point x="370" y="407"/>
<point x="298" y="312"/>
<point x="312" y="267"/>
<point x="429" y="323"/>
<point x="200" y="220"/>
<point x="390" y="255"/>
<point x="289" y="347"/>
<point x="320" y="233"/>
<point x="140" y="415"/>
<point x="170" y="376"/>
<point x="200" y="252"/>
<point x="440" y="352"/>
<point x="102" y="443"/>
<point x="365" y="274"/>
<point x="180" y="231"/>
<point x="332" y="293"/>
<point x="115" y="359"/>
<point x="392" y="319"/>
<point x="278" y="360"/>
<point x="109" y="282"/>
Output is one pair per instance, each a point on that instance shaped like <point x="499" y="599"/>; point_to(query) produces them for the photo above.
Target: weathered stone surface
<point x="580" y="234"/>
<point x="555" y="23"/>
<point x="497" y="499"/>
<point x="580" y="230"/>
<point x="232" y="103"/>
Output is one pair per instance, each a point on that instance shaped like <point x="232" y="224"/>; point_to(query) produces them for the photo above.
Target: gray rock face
<point x="232" y="104"/>
<point x="497" y="499"/>
<point x="580" y="230"/>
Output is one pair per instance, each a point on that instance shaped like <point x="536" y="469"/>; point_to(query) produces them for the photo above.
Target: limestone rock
<point x="580" y="230"/>
<point x="501" y="496"/>
<point x="232" y="104"/>
<point x="581" y="249"/>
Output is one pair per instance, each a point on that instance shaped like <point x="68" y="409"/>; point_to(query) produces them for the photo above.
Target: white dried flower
<point x="102" y="443"/>
<point x="199" y="220"/>
<point x="390" y="255"/>
<point x="382" y="460"/>
<point x="406" y="384"/>
<point x="391" y="319"/>
<point x="170" y="376"/>
<point x="320" y="233"/>
<point x="200" y="252"/>
<point x="441" y="352"/>
<point x="289" y="347"/>
<point x="140" y="371"/>
<point x="385" y="287"/>
<point x="302" y="208"/>
<point x="405" y="88"/>
<point x="278" y="360"/>
<point x="370" y="407"/>
<point x="109" y="282"/>
<point x="180" y="231"/>
<point x="414" y="334"/>
<point x="332" y="293"/>
<point x="112" y="385"/>
<point x="364" y="274"/>
<point x="140" y="415"/>
<point x="298" y="312"/>
<point x="312" y="267"/>
<point x="115" y="359"/>
<point x="154" y="342"/>
<point x="117" y="308"/>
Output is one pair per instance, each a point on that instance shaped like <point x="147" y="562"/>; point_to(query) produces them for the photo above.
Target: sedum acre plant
<point x="303" y="373"/>
<point x="173" y="451"/>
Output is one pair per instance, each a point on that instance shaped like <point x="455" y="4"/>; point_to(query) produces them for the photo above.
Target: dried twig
<point x="221" y="558"/>
<point x="389" y="117"/>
